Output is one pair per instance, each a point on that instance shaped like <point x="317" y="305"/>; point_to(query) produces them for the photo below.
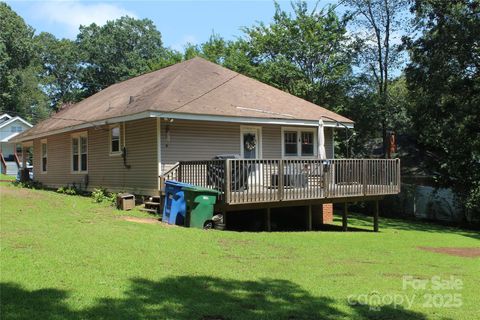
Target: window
<point x="290" y="138"/>
<point x="16" y="129"/>
<point x="79" y="152"/>
<point x="115" y="140"/>
<point x="299" y="142"/>
<point x="44" y="156"/>
<point x="307" y="144"/>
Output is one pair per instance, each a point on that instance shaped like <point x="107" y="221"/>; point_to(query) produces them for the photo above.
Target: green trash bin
<point x="200" y="202"/>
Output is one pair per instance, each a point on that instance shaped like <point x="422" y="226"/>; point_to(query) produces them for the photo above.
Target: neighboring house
<point x="136" y="133"/>
<point x="10" y="152"/>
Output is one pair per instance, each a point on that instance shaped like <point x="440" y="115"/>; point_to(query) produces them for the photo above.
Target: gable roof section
<point x="12" y="120"/>
<point x="193" y="87"/>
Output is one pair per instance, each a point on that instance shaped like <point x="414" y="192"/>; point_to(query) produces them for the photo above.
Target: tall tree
<point x="61" y="68"/>
<point x="379" y="23"/>
<point x="20" y="93"/>
<point x="444" y="81"/>
<point x="116" y="51"/>
<point x="306" y="54"/>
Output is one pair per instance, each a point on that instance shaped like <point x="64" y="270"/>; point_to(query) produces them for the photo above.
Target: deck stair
<point x="12" y="168"/>
<point x="152" y="205"/>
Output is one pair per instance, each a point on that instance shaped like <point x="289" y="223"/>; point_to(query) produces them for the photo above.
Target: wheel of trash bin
<point x="208" y="225"/>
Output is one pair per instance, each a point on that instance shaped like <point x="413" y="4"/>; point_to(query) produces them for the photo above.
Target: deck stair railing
<point x="256" y="181"/>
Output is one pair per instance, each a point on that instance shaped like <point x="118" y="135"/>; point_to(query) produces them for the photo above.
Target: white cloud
<point x="72" y="14"/>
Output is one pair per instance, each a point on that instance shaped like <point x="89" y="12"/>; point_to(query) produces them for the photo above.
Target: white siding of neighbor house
<point x="8" y="148"/>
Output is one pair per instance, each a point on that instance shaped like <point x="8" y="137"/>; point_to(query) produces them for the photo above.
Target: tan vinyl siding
<point x="329" y="145"/>
<point x="201" y="140"/>
<point x="105" y="170"/>
<point x="189" y="140"/>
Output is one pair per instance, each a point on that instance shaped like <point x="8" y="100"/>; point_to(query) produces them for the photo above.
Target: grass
<point x="7" y="177"/>
<point x="64" y="257"/>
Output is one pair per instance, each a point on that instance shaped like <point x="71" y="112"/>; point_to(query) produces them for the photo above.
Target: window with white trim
<point x="44" y="155"/>
<point x="298" y="142"/>
<point x="16" y="129"/>
<point x="115" y="140"/>
<point x="80" y="152"/>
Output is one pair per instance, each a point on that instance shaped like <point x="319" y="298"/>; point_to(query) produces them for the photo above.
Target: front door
<point x="251" y="142"/>
<point x="251" y="146"/>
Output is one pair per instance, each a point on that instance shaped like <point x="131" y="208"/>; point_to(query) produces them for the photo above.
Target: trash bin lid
<point x="177" y="183"/>
<point x="198" y="189"/>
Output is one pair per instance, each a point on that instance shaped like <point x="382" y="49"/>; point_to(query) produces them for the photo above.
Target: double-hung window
<point x="299" y="142"/>
<point x="80" y="152"/>
<point x="44" y="156"/>
<point x="115" y="140"/>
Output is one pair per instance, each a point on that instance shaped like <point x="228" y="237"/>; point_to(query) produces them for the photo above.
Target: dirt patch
<point x="145" y="221"/>
<point x="228" y="243"/>
<point x="459" y="252"/>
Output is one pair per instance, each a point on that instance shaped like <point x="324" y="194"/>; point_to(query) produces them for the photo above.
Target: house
<point x="171" y="123"/>
<point x="10" y="152"/>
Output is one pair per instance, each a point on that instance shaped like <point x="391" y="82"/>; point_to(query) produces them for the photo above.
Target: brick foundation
<point x="327" y="209"/>
<point x="322" y="214"/>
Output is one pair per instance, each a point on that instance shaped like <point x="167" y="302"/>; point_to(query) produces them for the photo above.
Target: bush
<point x="70" y="190"/>
<point x="28" y="184"/>
<point x="100" y="195"/>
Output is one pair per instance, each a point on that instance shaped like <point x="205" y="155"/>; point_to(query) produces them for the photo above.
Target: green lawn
<point x="6" y="177"/>
<point x="64" y="257"/>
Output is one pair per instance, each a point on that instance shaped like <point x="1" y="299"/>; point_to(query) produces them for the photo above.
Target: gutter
<point x="182" y="116"/>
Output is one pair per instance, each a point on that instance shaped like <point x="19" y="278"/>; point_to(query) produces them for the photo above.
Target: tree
<point x="117" y="51"/>
<point x="444" y="82"/>
<point x="61" y="69"/>
<point x="306" y="54"/>
<point x="379" y="21"/>
<point x="20" y="93"/>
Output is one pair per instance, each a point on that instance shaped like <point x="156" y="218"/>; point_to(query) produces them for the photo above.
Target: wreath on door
<point x="250" y="141"/>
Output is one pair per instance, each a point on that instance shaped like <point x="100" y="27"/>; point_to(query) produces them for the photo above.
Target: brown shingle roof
<point x="196" y="86"/>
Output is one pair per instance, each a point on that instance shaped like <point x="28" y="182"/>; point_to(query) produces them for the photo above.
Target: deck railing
<point x="256" y="181"/>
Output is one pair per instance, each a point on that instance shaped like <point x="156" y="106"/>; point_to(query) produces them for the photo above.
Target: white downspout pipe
<point x="321" y="141"/>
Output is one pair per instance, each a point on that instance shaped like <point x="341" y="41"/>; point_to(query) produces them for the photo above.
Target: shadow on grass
<point x="189" y="297"/>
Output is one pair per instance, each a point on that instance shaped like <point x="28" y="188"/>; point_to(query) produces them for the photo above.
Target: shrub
<point x="28" y="184"/>
<point x="100" y="195"/>
<point x="70" y="190"/>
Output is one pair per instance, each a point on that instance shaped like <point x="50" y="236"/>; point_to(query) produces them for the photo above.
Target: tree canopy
<point x="20" y="93"/>
<point x="444" y="83"/>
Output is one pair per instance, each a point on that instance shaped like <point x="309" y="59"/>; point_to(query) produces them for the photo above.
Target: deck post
<point x="375" y="217"/>
<point x="344" y="217"/>
<point x="281" y="183"/>
<point x="309" y="218"/>
<point x="268" y="220"/>
<point x="364" y="176"/>
<point x="228" y="181"/>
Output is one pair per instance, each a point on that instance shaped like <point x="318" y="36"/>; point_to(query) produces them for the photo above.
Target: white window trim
<point x="299" y="131"/>
<point x="78" y="135"/>
<point x="120" y="139"/>
<point x="244" y="129"/>
<point x="43" y="142"/>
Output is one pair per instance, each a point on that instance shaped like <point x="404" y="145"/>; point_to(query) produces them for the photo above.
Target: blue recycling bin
<point x="174" y="210"/>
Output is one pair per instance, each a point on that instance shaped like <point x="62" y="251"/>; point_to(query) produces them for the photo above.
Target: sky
<point x="180" y="22"/>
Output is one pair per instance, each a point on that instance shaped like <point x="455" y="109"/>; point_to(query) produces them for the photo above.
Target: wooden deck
<point x="271" y="181"/>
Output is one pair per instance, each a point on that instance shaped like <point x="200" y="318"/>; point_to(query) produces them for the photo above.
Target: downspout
<point x="159" y="153"/>
<point x="321" y="140"/>
<point x="124" y="149"/>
